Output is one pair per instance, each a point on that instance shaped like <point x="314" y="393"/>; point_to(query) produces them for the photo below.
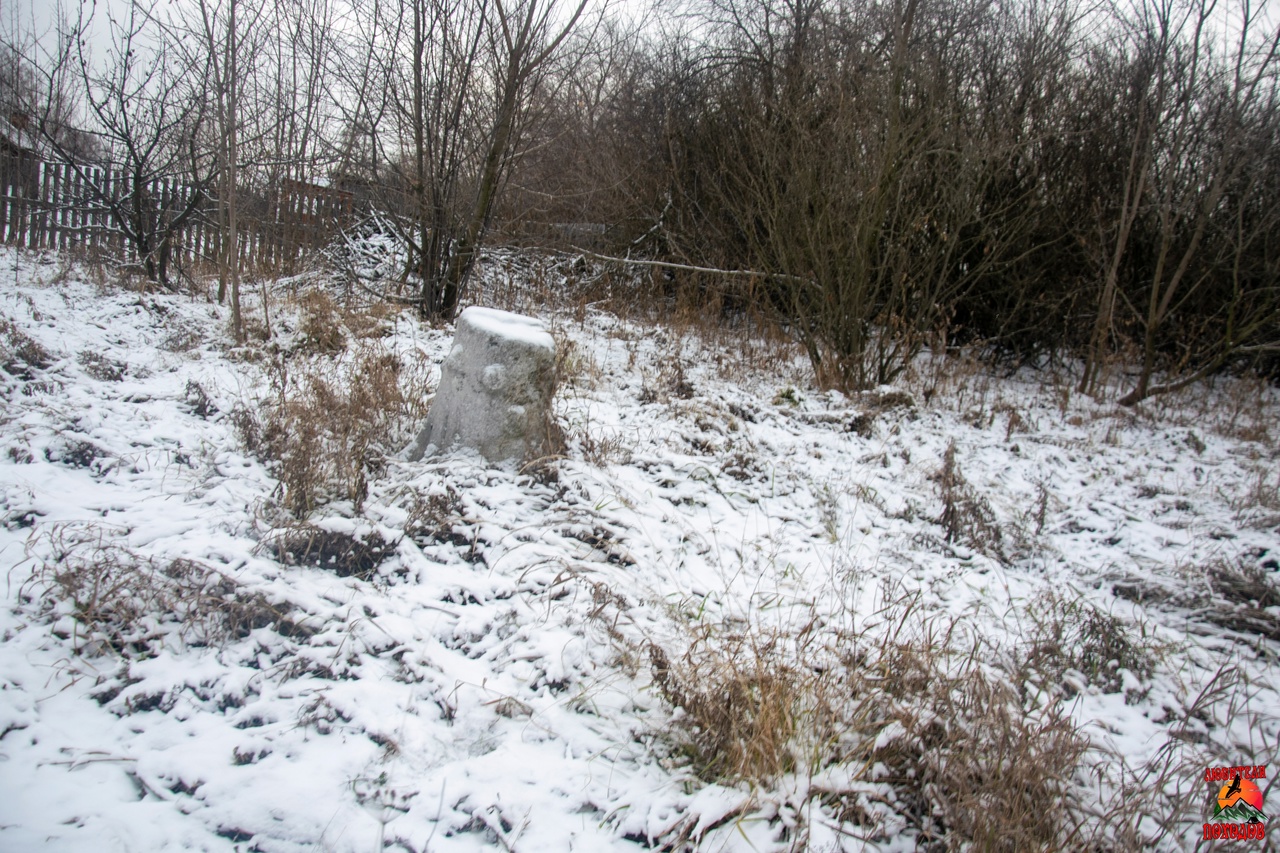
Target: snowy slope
<point x="487" y="684"/>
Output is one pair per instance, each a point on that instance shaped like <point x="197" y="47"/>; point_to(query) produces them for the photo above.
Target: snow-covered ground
<point x="468" y="660"/>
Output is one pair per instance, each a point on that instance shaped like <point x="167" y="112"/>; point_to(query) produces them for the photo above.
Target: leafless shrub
<point x="132" y="605"/>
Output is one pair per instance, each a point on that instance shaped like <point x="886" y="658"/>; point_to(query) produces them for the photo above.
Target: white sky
<point x="21" y="20"/>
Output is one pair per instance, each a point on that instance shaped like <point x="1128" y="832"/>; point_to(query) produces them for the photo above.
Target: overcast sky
<point x="39" y="17"/>
<point x="24" y="18"/>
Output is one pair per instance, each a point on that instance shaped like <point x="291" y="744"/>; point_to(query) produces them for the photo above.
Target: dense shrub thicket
<point x="1043" y="176"/>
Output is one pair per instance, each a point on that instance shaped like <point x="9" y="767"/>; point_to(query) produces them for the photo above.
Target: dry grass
<point x="719" y="320"/>
<point x="966" y="516"/>
<point x="320" y="329"/>
<point x="1151" y="805"/>
<point x="929" y="726"/>
<point x="739" y="695"/>
<point x="1072" y="643"/>
<point x="329" y="424"/>
<point x="1259" y="504"/>
<point x="1239" y="594"/>
<point x="20" y="355"/>
<point x="906" y="701"/>
<point x="1245" y="411"/>
<point x="975" y="763"/>
<point x="1247" y="598"/>
<point x="131" y="605"/>
<point x="432" y="517"/>
<point x="669" y="382"/>
<point x="101" y="368"/>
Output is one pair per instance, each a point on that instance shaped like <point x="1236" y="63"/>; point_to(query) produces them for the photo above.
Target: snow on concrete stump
<point x="495" y="389"/>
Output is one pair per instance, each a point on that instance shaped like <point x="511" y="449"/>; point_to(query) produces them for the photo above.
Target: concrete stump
<point x="495" y="389"/>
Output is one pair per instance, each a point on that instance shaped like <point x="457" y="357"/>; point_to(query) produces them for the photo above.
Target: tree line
<point x="1043" y="176"/>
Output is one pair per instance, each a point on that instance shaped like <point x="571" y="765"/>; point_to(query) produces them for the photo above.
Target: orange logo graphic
<point x="1237" y="810"/>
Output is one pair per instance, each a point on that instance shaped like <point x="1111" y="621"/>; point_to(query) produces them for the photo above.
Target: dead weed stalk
<point x="122" y="602"/>
<point x="966" y="516"/>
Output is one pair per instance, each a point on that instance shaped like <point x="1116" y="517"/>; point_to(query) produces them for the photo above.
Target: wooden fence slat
<point x="20" y="213"/>
<point x="38" y="221"/>
<point x="46" y="205"/>
<point x="57" y="209"/>
<point x="67" y="204"/>
<point x="7" y="169"/>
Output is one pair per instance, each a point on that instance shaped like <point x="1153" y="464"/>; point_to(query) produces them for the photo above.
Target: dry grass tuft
<point x="600" y="450"/>
<point x="971" y="762"/>
<point x="974" y="764"/>
<point x="432" y="517"/>
<point x="1150" y="806"/>
<point x="99" y="367"/>
<point x="1248" y="598"/>
<point x="330" y="424"/>
<point x="966" y="516"/>
<point x="1240" y="595"/>
<point x="1073" y="643"/>
<point x="202" y="406"/>
<point x="132" y="605"/>
<point x="320" y="325"/>
<point x="1259" y="505"/>
<point x="20" y="355"/>
<point x="327" y="326"/>
<point x="740" y="697"/>
<point x="670" y="383"/>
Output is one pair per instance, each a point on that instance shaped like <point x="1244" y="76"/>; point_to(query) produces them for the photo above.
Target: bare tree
<point x="1209" y="112"/>
<point x="147" y="108"/>
<point x="230" y="39"/>
<point x="459" y="74"/>
<point x="1189" y="121"/>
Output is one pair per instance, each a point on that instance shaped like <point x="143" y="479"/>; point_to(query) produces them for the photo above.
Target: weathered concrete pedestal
<point x="495" y="389"/>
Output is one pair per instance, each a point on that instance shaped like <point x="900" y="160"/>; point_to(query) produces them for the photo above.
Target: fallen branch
<point x="671" y="265"/>
<point x="355" y="278"/>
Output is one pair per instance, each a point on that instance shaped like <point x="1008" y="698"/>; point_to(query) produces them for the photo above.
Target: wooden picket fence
<point x="55" y="206"/>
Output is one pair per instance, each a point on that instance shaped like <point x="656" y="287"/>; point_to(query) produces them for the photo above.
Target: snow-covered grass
<point x="738" y="614"/>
